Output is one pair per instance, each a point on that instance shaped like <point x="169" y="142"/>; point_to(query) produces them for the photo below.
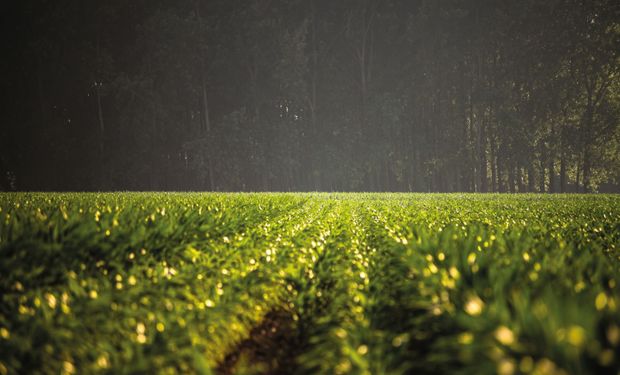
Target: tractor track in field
<point x="271" y="346"/>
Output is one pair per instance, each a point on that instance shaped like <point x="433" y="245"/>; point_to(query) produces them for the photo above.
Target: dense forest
<point x="297" y="95"/>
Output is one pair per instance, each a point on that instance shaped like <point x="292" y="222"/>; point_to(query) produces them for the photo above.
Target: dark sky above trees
<point x="297" y="95"/>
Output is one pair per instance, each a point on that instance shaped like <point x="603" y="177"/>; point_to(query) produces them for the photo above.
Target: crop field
<point x="121" y="283"/>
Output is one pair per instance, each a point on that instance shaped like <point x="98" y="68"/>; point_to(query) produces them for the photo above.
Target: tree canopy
<point x="290" y="95"/>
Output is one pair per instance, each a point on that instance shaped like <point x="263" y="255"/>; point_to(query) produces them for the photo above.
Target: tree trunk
<point x="519" y="176"/>
<point x="587" y="188"/>
<point x="563" y="157"/>
<point x="577" y="178"/>
<point x="482" y="156"/>
<point x="205" y="100"/>
<point x="470" y="138"/>
<point x="205" y="106"/>
<point x="562" y="172"/>
<point x="500" y="176"/>
<point x="511" y="178"/>
<point x="365" y="53"/>
<point x="531" y="180"/>
<point x="101" y="132"/>
<point x="541" y="182"/>
<point x="493" y="162"/>
<point x="551" y="175"/>
<point x="315" y="68"/>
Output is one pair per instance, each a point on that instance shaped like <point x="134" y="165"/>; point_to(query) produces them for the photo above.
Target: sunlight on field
<point x="309" y="283"/>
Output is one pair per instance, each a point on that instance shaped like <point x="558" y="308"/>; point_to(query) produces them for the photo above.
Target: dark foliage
<point x="373" y="95"/>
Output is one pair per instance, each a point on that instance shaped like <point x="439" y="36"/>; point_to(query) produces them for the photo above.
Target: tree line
<point x="295" y="95"/>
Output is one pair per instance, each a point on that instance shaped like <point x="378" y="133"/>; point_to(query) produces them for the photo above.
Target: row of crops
<point x="122" y="283"/>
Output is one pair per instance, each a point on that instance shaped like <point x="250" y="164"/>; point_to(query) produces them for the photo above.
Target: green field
<point x="309" y="283"/>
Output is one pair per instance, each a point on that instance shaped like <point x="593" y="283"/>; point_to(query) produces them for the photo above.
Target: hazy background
<point x="350" y="95"/>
